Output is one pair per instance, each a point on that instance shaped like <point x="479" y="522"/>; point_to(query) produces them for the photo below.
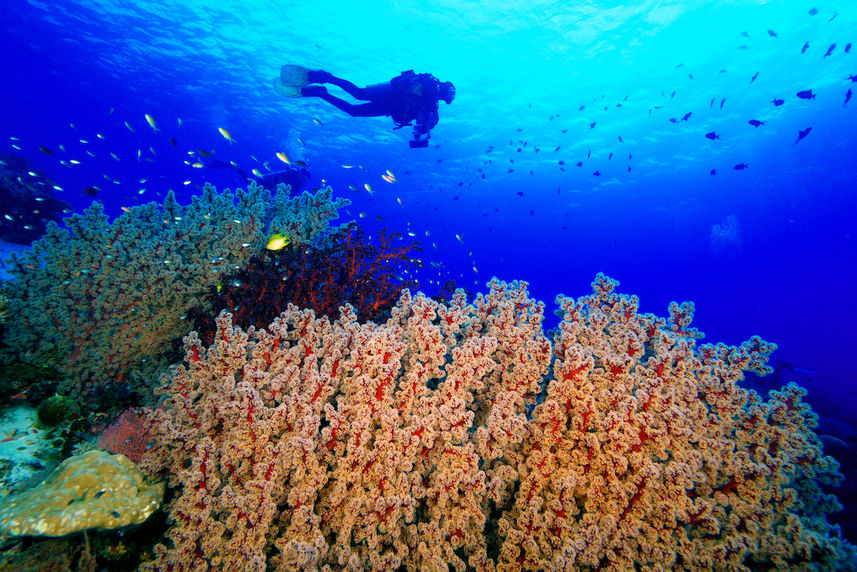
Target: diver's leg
<point x="321" y="76"/>
<point x="371" y="109"/>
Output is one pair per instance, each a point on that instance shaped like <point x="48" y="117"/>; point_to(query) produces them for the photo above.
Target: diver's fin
<point x="292" y="79"/>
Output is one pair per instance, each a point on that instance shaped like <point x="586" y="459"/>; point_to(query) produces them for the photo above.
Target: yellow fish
<point x="282" y="157"/>
<point x="225" y="134"/>
<point x="257" y="172"/>
<point x="278" y="241"/>
<point x="151" y="121"/>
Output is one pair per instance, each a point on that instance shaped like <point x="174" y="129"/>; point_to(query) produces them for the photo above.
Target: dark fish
<point x="204" y="153"/>
<point x="597" y="173"/>
<point x="712" y="102"/>
<point x="830" y="50"/>
<point x="853" y="78"/>
<point x="804" y="48"/>
<point x="835" y="14"/>
<point x="46" y="151"/>
<point x="589" y="154"/>
<point x="713" y="172"/>
<point x="520" y="193"/>
<point x="672" y="95"/>
<point x="673" y="120"/>
<point x="91" y="191"/>
<point x="581" y="108"/>
<point x="712" y="135"/>
<point x="592" y="125"/>
<point x="745" y="33"/>
<point x="561" y="162"/>
<point x="772" y="34"/>
<point x="722" y="101"/>
<point x="752" y="79"/>
<point x="813" y="11"/>
<point x="806" y="94"/>
<point x="847" y="97"/>
<point x="173" y="141"/>
<point x="755" y="122"/>
<point x="687" y="116"/>
<point x="777" y="102"/>
<point x="620" y="139"/>
<point x="580" y="163"/>
<point x="740" y="166"/>
<point x="803" y="133"/>
<point x="610" y="157"/>
<point x="848" y="48"/>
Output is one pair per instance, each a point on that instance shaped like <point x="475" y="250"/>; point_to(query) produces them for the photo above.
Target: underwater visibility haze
<point x="700" y="151"/>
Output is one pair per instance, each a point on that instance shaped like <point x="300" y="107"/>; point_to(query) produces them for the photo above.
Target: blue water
<point x="766" y="250"/>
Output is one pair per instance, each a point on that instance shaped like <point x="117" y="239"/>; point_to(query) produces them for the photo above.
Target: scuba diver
<point x="409" y="98"/>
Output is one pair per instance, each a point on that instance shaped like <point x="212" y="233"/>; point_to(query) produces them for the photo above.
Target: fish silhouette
<point x="806" y="94"/>
<point x="803" y="133"/>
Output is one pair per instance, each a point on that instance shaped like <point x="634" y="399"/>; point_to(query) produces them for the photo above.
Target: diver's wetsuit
<point x="408" y="98"/>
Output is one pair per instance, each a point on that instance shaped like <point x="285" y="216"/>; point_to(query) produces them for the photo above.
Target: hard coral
<point x="343" y="268"/>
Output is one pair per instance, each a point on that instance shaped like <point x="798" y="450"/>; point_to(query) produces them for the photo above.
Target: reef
<point x="344" y="267"/>
<point x="100" y="300"/>
<point x="458" y="435"/>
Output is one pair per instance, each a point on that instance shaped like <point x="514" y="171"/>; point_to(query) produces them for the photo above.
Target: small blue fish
<point x="740" y="166"/>
<point x="777" y="102"/>
<point x="772" y="34"/>
<point x="847" y="97"/>
<point x="687" y="116"/>
<point x="804" y="48"/>
<point x="806" y="94"/>
<point x="755" y="122"/>
<point x="713" y="172"/>
<point x="722" y="101"/>
<point x="755" y="75"/>
<point x="803" y="133"/>
<point x="712" y="135"/>
<point x="830" y="50"/>
<point x="848" y="48"/>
